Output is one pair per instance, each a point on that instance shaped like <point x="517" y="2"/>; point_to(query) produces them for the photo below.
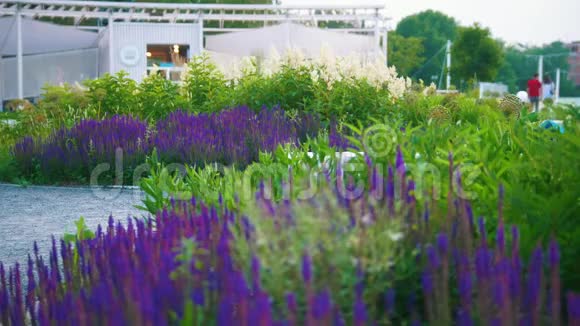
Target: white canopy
<point x="309" y="40"/>
<point x="40" y="37"/>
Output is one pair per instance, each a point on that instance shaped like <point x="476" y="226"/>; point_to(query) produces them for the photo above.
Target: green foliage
<point x="405" y="53"/>
<point x="349" y="101"/>
<point x="281" y="248"/>
<point x="113" y="94"/>
<point x="204" y="85"/>
<point x="434" y="29"/>
<point x="56" y="99"/>
<point x="476" y="55"/>
<point x="538" y="168"/>
<point x="82" y="232"/>
<point x="158" y="97"/>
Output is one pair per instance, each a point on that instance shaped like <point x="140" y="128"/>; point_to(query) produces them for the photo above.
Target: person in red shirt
<point x="535" y="92"/>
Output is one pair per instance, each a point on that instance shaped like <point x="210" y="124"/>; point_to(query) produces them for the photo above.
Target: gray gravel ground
<point x="36" y="213"/>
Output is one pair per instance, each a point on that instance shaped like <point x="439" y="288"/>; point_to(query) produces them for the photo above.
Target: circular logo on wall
<point x="130" y="55"/>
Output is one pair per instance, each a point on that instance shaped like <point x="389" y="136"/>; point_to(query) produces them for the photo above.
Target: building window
<point x="168" y="60"/>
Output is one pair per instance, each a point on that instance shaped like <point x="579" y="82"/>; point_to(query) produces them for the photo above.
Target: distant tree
<point x="475" y="55"/>
<point x="434" y="29"/>
<point x="405" y="53"/>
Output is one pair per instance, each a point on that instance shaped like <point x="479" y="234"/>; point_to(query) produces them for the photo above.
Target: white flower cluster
<point x="326" y="68"/>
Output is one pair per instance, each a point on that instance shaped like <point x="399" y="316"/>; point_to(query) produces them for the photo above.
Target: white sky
<point x="516" y="21"/>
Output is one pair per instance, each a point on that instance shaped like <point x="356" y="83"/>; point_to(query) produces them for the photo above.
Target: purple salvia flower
<point x="534" y="284"/>
<point x="573" y="300"/>
<point x="554" y="259"/>
<point x="483" y="263"/>
<point x="225" y="313"/>
<point x="443" y="244"/>
<point x="454" y="229"/>
<point x="553" y="253"/>
<point x="465" y="288"/>
<point x="501" y="239"/>
<point x="390" y="302"/>
<point x="338" y="319"/>
<point x="391" y="190"/>
<point x="469" y="212"/>
<point x="292" y="307"/>
<point x="481" y="223"/>
<point x="256" y="272"/>
<point x="464" y="318"/>
<point x="306" y="268"/>
<point x="400" y="161"/>
<point x="427" y="282"/>
<point x="198" y="296"/>
<point x="360" y="312"/>
<point x="433" y="258"/>
<point x="264" y="309"/>
<point x="322" y="305"/>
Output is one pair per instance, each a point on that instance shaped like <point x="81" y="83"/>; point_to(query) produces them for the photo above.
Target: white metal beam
<point x="200" y="22"/>
<point x="19" y="54"/>
<point x="211" y="12"/>
<point x="111" y="23"/>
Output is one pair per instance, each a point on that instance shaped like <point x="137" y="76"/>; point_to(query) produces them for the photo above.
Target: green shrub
<point x="204" y="87"/>
<point x="113" y="94"/>
<point x="157" y="97"/>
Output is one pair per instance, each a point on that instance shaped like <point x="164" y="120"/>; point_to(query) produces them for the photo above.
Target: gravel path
<point x="37" y="213"/>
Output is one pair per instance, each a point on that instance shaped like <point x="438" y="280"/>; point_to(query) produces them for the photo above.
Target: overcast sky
<point x="516" y="21"/>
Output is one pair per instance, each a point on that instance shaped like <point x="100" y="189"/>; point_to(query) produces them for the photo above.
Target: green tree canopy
<point x="475" y="55"/>
<point x="405" y="53"/>
<point x="434" y="29"/>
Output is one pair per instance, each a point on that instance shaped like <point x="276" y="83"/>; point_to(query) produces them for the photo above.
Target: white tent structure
<point x="35" y="40"/>
<point x="309" y="40"/>
<point x="32" y="53"/>
<point x="51" y="54"/>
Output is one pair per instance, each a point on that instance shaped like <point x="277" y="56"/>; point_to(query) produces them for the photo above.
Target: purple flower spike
<point x="306" y="268"/>
<point x="432" y="258"/>
<point x="465" y="288"/>
<point x="256" y="272"/>
<point x="426" y="217"/>
<point x="501" y="238"/>
<point x="390" y="301"/>
<point x="443" y="244"/>
<point x="573" y="308"/>
<point x="291" y="302"/>
<point x="360" y="312"/>
<point x="338" y="319"/>
<point x="322" y="305"/>
<point x="427" y="282"/>
<point x="198" y="296"/>
<point x="515" y="239"/>
<point x="464" y="318"/>
<point x="400" y="161"/>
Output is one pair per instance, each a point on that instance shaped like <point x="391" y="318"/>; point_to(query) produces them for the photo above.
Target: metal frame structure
<point x="368" y="19"/>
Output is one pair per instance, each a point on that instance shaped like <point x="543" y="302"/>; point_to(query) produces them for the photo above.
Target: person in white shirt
<point x="548" y="88"/>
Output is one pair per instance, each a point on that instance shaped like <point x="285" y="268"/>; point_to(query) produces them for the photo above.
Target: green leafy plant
<point x="82" y="232"/>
